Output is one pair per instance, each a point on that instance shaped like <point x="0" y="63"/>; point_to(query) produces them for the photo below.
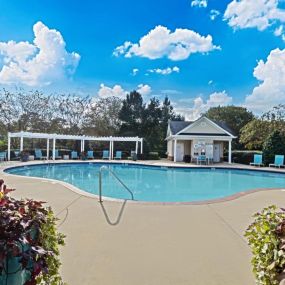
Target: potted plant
<point x="24" y="155"/>
<point x="29" y="242"/>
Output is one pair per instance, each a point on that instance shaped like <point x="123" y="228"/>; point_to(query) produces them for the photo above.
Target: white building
<point x="200" y="137"/>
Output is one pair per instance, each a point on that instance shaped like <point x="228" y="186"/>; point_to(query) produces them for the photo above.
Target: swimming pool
<point x="152" y="183"/>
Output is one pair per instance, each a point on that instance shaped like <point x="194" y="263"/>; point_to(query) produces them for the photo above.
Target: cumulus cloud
<point x="165" y="71"/>
<point x="258" y="14"/>
<point x="214" y="14"/>
<point x="135" y="71"/>
<point x="42" y="62"/>
<point x="271" y="89"/>
<point x="161" y="42"/>
<point x="119" y="91"/>
<point x="200" y="106"/>
<point x="199" y="3"/>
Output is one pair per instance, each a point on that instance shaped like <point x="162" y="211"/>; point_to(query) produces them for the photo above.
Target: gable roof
<point x="177" y="126"/>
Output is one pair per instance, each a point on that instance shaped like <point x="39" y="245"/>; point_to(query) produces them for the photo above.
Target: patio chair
<point x="118" y="155"/>
<point x="201" y="159"/>
<point x="74" y="155"/>
<point x="105" y="154"/>
<point x="3" y="156"/>
<point x="278" y="161"/>
<point x="57" y="156"/>
<point x="39" y="154"/>
<point x="257" y="160"/>
<point x="90" y="154"/>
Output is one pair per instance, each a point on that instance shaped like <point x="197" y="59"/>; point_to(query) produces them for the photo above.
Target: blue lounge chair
<point x="257" y="160"/>
<point x="39" y="154"/>
<point x="74" y="155"/>
<point x="105" y="154"/>
<point x="278" y="161"/>
<point x="118" y="155"/>
<point x="90" y="154"/>
<point x="3" y="156"/>
<point x="201" y="159"/>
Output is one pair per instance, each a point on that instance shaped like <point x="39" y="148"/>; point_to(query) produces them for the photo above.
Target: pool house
<point x="203" y="137"/>
<point x="52" y="138"/>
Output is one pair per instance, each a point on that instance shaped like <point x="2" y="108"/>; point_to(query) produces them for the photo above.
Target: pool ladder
<point x="102" y="168"/>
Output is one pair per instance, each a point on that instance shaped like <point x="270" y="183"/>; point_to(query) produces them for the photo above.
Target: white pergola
<point x="55" y="137"/>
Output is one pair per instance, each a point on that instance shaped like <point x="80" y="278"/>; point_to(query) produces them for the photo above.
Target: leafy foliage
<point x="28" y="233"/>
<point x="274" y="144"/>
<point x="266" y="239"/>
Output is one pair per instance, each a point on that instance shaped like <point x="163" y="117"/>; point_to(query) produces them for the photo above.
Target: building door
<point x="179" y="151"/>
<point x="217" y="152"/>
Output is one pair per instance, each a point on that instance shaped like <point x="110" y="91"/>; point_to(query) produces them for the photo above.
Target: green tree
<point x="274" y="144"/>
<point x="235" y="118"/>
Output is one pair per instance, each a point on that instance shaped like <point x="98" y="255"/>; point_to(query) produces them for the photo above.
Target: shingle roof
<point x="177" y="126"/>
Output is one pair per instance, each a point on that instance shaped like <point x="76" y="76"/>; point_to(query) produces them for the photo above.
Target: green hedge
<point x="244" y="157"/>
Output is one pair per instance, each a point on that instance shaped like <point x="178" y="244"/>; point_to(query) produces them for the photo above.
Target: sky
<point x="199" y="53"/>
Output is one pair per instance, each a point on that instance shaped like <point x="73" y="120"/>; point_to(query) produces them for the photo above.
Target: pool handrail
<point x="104" y="167"/>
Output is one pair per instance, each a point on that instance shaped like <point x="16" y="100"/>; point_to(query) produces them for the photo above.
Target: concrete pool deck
<point x="127" y="243"/>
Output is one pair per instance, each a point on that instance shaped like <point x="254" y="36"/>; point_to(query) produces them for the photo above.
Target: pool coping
<point x="140" y="163"/>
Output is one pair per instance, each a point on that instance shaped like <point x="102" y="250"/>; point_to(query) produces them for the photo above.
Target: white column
<point x="110" y="148"/>
<point x="21" y="143"/>
<point x="83" y="145"/>
<point x="9" y="147"/>
<point x="47" y="149"/>
<point x="175" y="146"/>
<point x="230" y="151"/>
<point x="141" y="146"/>
<point x="112" y="154"/>
<point x="137" y="145"/>
<point x="53" y="149"/>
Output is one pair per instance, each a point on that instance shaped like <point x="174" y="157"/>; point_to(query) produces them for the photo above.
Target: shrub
<point x="274" y="144"/>
<point x="265" y="237"/>
<point x="243" y="157"/>
<point x="153" y="155"/>
<point x="29" y="240"/>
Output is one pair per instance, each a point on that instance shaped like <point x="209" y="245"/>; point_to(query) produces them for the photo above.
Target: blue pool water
<point x="156" y="183"/>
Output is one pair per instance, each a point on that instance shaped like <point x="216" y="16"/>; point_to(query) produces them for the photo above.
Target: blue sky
<point x="196" y="60"/>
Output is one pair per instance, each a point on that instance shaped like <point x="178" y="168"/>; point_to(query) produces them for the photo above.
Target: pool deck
<point x="126" y="243"/>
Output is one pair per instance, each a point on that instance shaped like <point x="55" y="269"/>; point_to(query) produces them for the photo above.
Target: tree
<point x="235" y="118"/>
<point x="274" y="144"/>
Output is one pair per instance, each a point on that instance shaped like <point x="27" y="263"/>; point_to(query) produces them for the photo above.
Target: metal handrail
<point x="115" y="176"/>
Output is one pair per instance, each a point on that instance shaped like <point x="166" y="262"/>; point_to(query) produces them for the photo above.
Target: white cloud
<point x="271" y="90"/>
<point x="161" y="42"/>
<point x="42" y="62"/>
<point x="144" y="89"/>
<point x="165" y="71"/>
<point x="200" y="106"/>
<point x="258" y="14"/>
<point x="214" y="14"/>
<point x="199" y="3"/>
<point x="210" y="82"/>
<point x="278" y="31"/>
<point x="135" y="71"/>
<point x="119" y="91"/>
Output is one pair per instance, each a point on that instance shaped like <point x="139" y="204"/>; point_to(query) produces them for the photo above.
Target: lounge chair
<point x="278" y="161"/>
<point x="57" y="156"/>
<point x="105" y="154"/>
<point x="257" y="160"/>
<point x="3" y="156"/>
<point x="90" y="154"/>
<point x="74" y="155"/>
<point x="201" y="159"/>
<point x="118" y="155"/>
<point x="39" y="154"/>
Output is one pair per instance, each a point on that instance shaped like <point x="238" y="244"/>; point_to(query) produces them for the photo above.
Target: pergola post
<point x="137" y="144"/>
<point x="83" y="145"/>
<point x="21" y="142"/>
<point x="112" y="156"/>
<point x="47" y="149"/>
<point x="141" y="146"/>
<point x="175" y="147"/>
<point x="9" y="147"/>
<point x="110" y="148"/>
<point x="230" y="152"/>
<point x="53" y="149"/>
